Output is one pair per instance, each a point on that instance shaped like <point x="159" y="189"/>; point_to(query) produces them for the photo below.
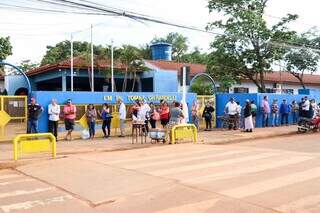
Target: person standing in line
<point x="164" y="114"/>
<point x="106" y="120"/>
<point x="306" y="108"/>
<point x="34" y="112"/>
<point x="135" y="110"/>
<point x="123" y="114"/>
<point x="295" y="112"/>
<point x="154" y="116"/>
<point x="91" y="119"/>
<point x="207" y="115"/>
<point x="239" y="121"/>
<point x="284" y="111"/>
<point x="248" y="123"/>
<point x="314" y="108"/>
<point x="54" y="113"/>
<point x="254" y="110"/>
<point x="231" y="110"/>
<point x="144" y="114"/>
<point x="275" y="113"/>
<point x="266" y="111"/>
<point x="69" y="112"/>
<point x="195" y="114"/>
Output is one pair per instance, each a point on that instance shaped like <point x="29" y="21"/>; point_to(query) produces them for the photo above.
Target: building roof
<point x="287" y="78"/>
<point x="78" y="63"/>
<point x="176" y="66"/>
<point x="82" y="63"/>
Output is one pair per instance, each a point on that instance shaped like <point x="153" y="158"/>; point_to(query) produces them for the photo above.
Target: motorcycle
<point x="308" y="124"/>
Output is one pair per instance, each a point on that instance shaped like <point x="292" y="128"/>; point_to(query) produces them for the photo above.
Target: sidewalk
<point x="214" y="137"/>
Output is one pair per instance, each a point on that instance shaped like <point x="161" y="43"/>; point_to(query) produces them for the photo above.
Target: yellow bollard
<point x="34" y="143"/>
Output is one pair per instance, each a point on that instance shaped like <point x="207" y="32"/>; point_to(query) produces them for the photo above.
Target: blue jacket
<point x="285" y="108"/>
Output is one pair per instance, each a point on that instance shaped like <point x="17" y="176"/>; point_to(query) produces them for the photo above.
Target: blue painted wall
<point x="44" y="99"/>
<point x="222" y="100"/>
<point x="165" y="81"/>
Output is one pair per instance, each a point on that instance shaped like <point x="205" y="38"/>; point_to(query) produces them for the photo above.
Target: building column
<point x="139" y="84"/>
<point x="64" y="83"/>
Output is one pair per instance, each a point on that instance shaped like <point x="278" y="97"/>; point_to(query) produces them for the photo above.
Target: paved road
<point x="276" y="175"/>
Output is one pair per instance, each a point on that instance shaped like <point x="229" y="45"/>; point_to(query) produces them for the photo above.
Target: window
<point x="241" y="90"/>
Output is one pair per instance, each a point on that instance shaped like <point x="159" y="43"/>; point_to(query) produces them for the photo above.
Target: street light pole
<point x="112" y="77"/>
<point x="71" y="61"/>
<point x="92" y="68"/>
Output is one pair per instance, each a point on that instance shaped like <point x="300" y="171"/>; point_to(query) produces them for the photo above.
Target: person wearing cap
<point x="122" y="116"/>
<point x="247" y="112"/>
<point x="34" y="112"/>
<point x="69" y="112"/>
<point x="231" y="109"/>
<point x="54" y="112"/>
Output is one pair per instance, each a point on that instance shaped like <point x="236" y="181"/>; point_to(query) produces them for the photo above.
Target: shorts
<point x="69" y="124"/>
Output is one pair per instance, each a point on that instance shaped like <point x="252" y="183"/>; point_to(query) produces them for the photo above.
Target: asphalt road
<point x="273" y="175"/>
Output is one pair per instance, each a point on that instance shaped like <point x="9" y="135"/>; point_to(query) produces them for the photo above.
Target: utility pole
<point x="184" y="94"/>
<point x="112" y="77"/>
<point x="92" y="68"/>
<point x="71" y="61"/>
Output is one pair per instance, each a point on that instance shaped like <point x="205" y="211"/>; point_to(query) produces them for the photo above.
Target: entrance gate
<point x="13" y="116"/>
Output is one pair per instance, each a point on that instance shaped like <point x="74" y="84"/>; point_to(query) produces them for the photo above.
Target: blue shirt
<point x="285" y="108"/>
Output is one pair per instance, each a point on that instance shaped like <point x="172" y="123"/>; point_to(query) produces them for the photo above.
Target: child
<point x="91" y="118"/>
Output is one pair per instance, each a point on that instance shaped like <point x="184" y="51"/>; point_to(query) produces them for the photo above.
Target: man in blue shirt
<point x="285" y="109"/>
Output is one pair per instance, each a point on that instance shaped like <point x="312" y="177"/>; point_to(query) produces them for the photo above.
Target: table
<point x="137" y="130"/>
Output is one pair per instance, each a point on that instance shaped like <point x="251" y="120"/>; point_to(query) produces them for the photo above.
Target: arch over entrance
<point x="21" y="91"/>
<point x="206" y="76"/>
<point x="29" y="90"/>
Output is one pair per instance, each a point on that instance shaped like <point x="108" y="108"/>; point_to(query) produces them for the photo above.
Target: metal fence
<point x="13" y="116"/>
<point x="202" y="100"/>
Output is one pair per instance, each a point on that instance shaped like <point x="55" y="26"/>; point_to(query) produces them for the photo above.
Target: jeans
<point x="208" y="123"/>
<point x="195" y="121"/>
<point x="284" y="116"/>
<point x="92" y="128"/>
<point x="53" y="128"/>
<point x="32" y="126"/>
<point x="275" y="119"/>
<point x="153" y="123"/>
<point x="294" y="117"/>
<point x="106" y="124"/>
<point x="122" y="126"/>
<point x="265" y="120"/>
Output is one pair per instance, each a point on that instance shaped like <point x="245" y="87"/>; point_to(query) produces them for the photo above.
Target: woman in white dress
<point x="248" y="123"/>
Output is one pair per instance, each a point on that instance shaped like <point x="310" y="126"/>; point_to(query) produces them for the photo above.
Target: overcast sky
<point x="31" y="32"/>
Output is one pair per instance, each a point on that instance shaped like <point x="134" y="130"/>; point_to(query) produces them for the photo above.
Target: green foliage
<point x="298" y="61"/>
<point x="5" y="50"/>
<point x="196" y="56"/>
<point x="246" y="50"/>
<point x="62" y="51"/>
<point x="202" y="88"/>
<point x="179" y="44"/>
<point x="130" y="56"/>
<point x="27" y="65"/>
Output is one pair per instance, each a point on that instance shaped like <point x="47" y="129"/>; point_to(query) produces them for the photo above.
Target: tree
<point x="27" y="65"/>
<point x="200" y="87"/>
<point x="130" y="57"/>
<point x="179" y="44"/>
<point x="5" y="50"/>
<point x="62" y="51"/>
<point x="246" y="48"/>
<point x="298" y="61"/>
<point x="196" y="57"/>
